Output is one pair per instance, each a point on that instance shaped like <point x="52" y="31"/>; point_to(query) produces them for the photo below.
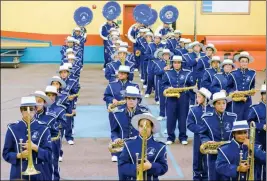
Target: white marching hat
<point x="177" y="32"/>
<point x="166" y="51"/>
<point x="68" y="65"/>
<point x="124" y="68"/>
<point x="158" y="52"/>
<point x="113" y="29"/>
<point x="118" y="42"/>
<point x="149" y="34"/>
<point x="196" y="43"/>
<point x="219" y="96"/>
<point x="62" y="67"/>
<point x="69" y="50"/>
<point x="244" y="54"/>
<point x="148" y="116"/>
<point x="124" y="44"/>
<point x="131" y="91"/>
<point x="144" y="30"/>
<point x="77" y="29"/>
<point x="205" y="92"/>
<point x="51" y="89"/>
<point x="239" y="126"/>
<point x="41" y="94"/>
<point x="182" y="39"/>
<point x="71" y="56"/>
<point x="177" y="58"/>
<point x="28" y="101"/>
<point x="122" y="49"/>
<point x="215" y="58"/>
<point x="263" y="88"/>
<point x="209" y="45"/>
<point x="158" y="35"/>
<point x="227" y="62"/>
<point x="187" y="40"/>
<point x="57" y="79"/>
<point x="70" y="39"/>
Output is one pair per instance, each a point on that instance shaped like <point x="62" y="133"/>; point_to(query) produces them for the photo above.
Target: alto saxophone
<point x="251" y="159"/>
<point x="211" y="148"/>
<point x="112" y="107"/>
<point x="116" y="147"/>
<point x="241" y="95"/>
<point x="122" y="61"/>
<point x="175" y="92"/>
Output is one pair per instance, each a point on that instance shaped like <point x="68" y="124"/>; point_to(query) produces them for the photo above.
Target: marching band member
<point x="216" y="126"/>
<point x="164" y="30"/>
<point x="180" y="49"/>
<point x="260" y="155"/>
<point x="228" y="163"/>
<point x="194" y="124"/>
<point x="257" y="113"/>
<point x="71" y="89"/>
<point x="69" y="44"/>
<point x="111" y="71"/>
<point x="177" y="108"/>
<point x="130" y="56"/>
<point x="81" y="39"/>
<point x="40" y="143"/>
<point x="210" y="72"/>
<point x="75" y="65"/>
<point x="121" y="127"/>
<point x="155" y="164"/>
<point x="242" y="79"/>
<point x="160" y="67"/>
<point x="204" y="62"/>
<point x="151" y="49"/>
<point x="171" y="42"/>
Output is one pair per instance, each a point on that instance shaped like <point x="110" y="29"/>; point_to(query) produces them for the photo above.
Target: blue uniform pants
<point x="142" y="67"/>
<point x="150" y="78"/>
<point x="162" y="99"/>
<point x="200" y="168"/>
<point x="241" y="108"/>
<point x="145" y="63"/>
<point x="106" y="56"/>
<point x="156" y="88"/>
<point x="177" y="110"/>
<point x="55" y="157"/>
<point x="212" y="174"/>
<point x="67" y="127"/>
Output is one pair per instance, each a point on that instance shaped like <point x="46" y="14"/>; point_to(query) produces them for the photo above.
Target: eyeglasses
<point x="131" y="98"/>
<point x="26" y="108"/>
<point x="241" y="132"/>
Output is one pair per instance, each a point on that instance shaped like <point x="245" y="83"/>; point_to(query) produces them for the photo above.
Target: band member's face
<point x="227" y="68"/>
<point x="215" y="64"/>
<point x="209" y="52"/>
<point x="142" y="33"/>
<point x="24" y="112"/>
<point x="243" y="63"/>
<point x="190" y="50"/>
<point x="263" y="97"/>
<point x="200" y="98"/>
<point x="122" y="75"/>
<point x="64" y="74"/>
<point x="122" y="55"/>
<point x="117" y="45"/>
<point x="148" y="38"/>
<point x="70" y="60"/>
<point x="177" y="35"/>
<point x="56" y="84"/>
<point x="52" y="96"/>
<point x="197" y="48"/>
<point x="148" y="127"/>
<point x="182" y="44"/>
<point x="157" y="40"/>
<point x="166" y="25"/>
<point x="77" y="33"/>
<point x="220" y="106"/>
<point x="131" y="102"/>
<point x="70" y="44"/>
<point x="177" y="65"/>
<point x="40" y="103"/>
<point x="166" y="56"/>
<point x="240" y="136"/>
<point x="109" y="22"/>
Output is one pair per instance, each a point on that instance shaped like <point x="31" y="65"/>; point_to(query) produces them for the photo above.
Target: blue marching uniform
<point x="241" y="81"/>
<point x="142" y="45"/>
<point x="164" y="31"/>
<point x="194" y="124"/>
<point x="53" y="116"/>
<point x="215" y="128"/>
<point x="40" y="136"/>
<point x="156" y="154"/>
<point x="207" y="78"/>
<point x="113" y="67"/>
<point x="260" y="154"/>
<point x="257" y="113"/>
<point x="151" y="49"/>
<point x="228" y="160"/>
<point x="180" y="51"/>
<point x="177" y="108"/>
<point x="105" y="33"/>
<point x="159" y="72"/>
<point x="134" y="34"/>
<point x="202" y="64"/>
<point x="172" y="44"/>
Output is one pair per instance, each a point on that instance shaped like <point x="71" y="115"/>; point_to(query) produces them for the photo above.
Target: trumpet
<point x="211" y="148"/>
<point x="30" y="168"/>
<point x="112" y="107"/>
<point x="175" y="92"/>
<point x="122" y="61"/>
<point x="241" y="95"/>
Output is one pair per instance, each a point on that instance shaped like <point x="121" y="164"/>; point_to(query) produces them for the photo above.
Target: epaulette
<point x="143" y="108"/>
<point x="231" y="114"/>
<point x="116" y="110"/>
<point x="41" y="122"/>
<point x="10" y="124"/>
<point x="254" y="105"/>
<point x="252" y="70"/>
<point x="190" y="106"/>
<point x="186" y="70"/>
<point x="113" y="82"/>
<point x="207" y="114"/>
<point x="158" y="141"/>
<point x="130" y="139"/>
<point x="62" y="106"/>
<point x="227" y="143"/>
<point x="219" y="73"/>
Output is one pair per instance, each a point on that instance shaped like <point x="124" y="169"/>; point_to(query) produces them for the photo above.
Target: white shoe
<point x="60" y="159"/>
<point x="160" y="118"/>
<point x="81" y="69"/>
<point x="184" y="142"/>
<point x="157" y="102"/>
<point x="169" y="142"/>
<point x="165" y="132"/>
<point x="147" y="95"/>
<point x="114" y="158"/>
<point x="104" y="69"/>
<point x="71" y="142"/>
<point x="144" y="86"/>
<point x="142" y="80"/>
<point x="139" y="75"/>
<point x="136" y="70"/>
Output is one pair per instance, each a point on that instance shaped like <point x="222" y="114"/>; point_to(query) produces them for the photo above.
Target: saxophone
<point x="122" y="61"/>
<point x="116" y="147"/>
<point x="139" y="172"/>
<point x="211" y="148"/>
<point x="175" y="92"/>
<point x="112" y="107"/>
<point x="241" y="95"/>
<point x="251" y="159"/>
